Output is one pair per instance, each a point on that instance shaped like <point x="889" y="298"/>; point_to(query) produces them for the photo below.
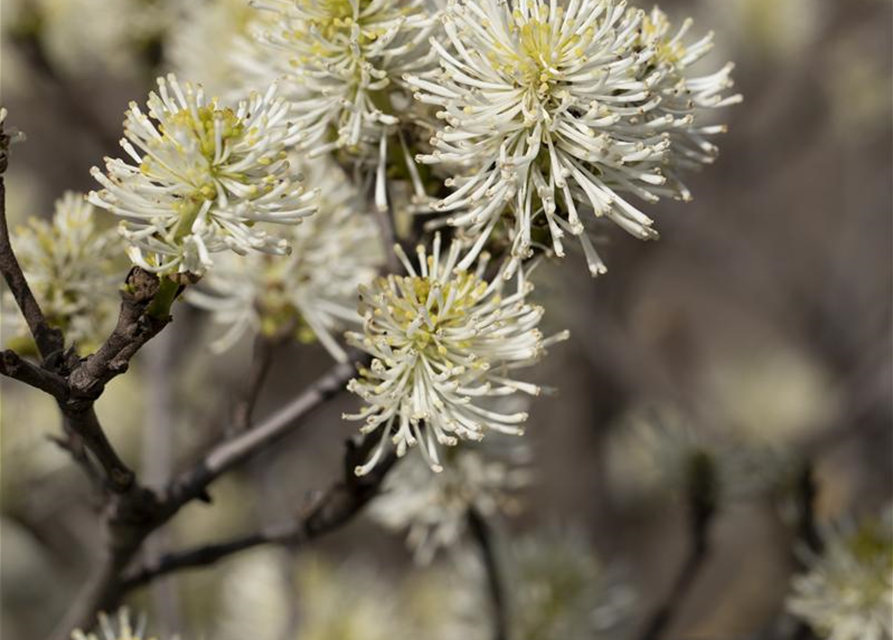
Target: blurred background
<point x="756" y="329"/>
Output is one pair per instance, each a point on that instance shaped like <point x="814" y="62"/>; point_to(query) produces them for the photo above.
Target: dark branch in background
<point x="807" y="532"/>
<point x="228" y="454"/>
<point x="702" y="504"/>
<point x="388" y="240"/>
<point x="334" y="509"/>
<point x="807" y="491"/>
<point x="76" y="107"/>
<point x="262" y="359"/>
<point x="482" y="534"/>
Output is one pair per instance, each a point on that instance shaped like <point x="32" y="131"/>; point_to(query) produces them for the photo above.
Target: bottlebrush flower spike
<point x="201" y="176"/>
<point x="556" y="112"/>
<point x="443" y="340"/>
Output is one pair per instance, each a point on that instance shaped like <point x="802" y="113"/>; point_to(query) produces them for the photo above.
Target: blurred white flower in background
<point x="262" y="591"/>
<point x="656" y="450"/>
<point x="312" y="292"/>
<point x="443" y="341"/>
<point x="771" y="397"/>
<point x="549" y="109"/>
<point x="119" y="627"/>
<point x="216" y="43"/>
<point x="203" y="176"/>
<point x="83" y="36"/>
<point x="434" y="507"/>
<point x="774" y="28"/>
<point x="256" y="596"/>
<point x="847" y="591"/>
<point x="74" y="267"/>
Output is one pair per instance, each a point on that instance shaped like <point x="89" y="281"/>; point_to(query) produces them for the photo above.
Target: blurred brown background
<point x="762" y="315"/>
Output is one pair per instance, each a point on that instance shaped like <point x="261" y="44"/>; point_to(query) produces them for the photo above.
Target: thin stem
<point x="702" y="506"/>
<point x="482" y="534"/>
<point x="262" y="360"/>
<point x="160" y="307"/>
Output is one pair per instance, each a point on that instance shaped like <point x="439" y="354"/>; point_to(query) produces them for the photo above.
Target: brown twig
<point x="193" y="483"/>
<point x="134" y="328"/>
<point x="13" y="366"/>
<point x="49" y="340"/>
<point x="337" y="507"/>
<point x="136" y="512"/>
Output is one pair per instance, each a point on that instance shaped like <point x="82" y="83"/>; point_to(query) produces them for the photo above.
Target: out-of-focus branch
<point x="702" y="505"/>
<point x="202" y="556"/>
<point x="807" y="533"/>
<point x="334" y="509"/>
<point x="76" y="107"/>
<point x="482" y="534"/>
<point x="193" y="483"/>
<point x="262" y="360"/>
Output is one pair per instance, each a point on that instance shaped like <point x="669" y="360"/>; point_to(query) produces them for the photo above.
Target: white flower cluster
<point x="202" y="175"/>
<point x="216" y="41"/>
<point x="560" y="111"/>
<point x="73" y="268"/>
<point x="434" y="508"/>
<point x="847" y="592"/>
<point x="443" y="341"/>
<point x="312" y="290"/>
<point x="344" y="63"/>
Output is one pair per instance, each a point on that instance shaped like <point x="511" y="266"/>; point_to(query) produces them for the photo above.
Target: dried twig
<point x="13" y="366"/>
